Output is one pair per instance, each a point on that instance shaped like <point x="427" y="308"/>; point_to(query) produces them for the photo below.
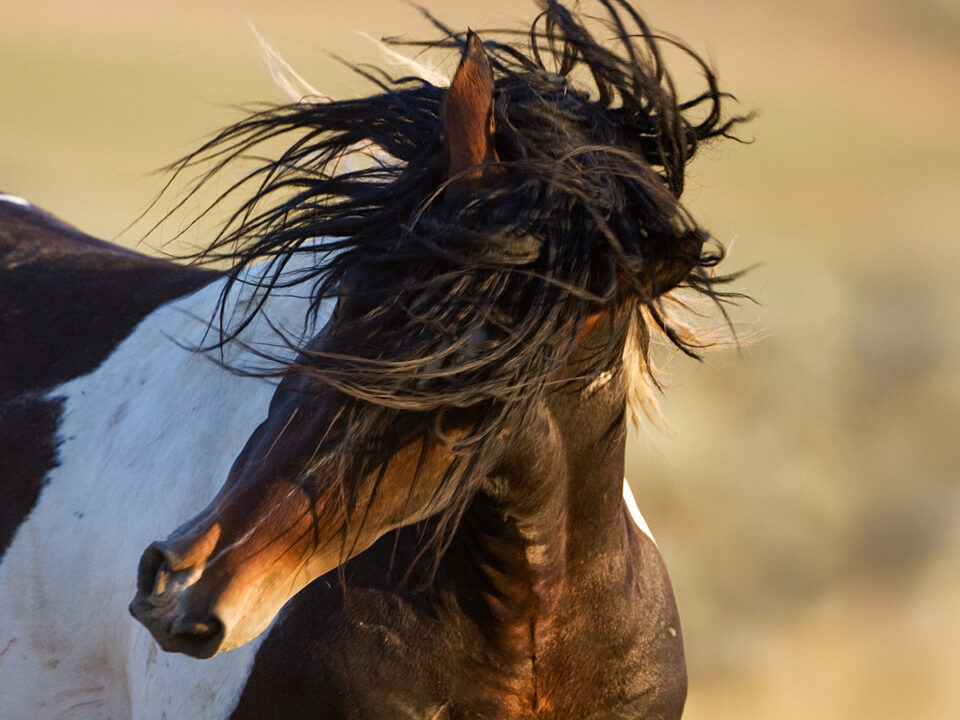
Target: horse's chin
<point x="249" y="626"/>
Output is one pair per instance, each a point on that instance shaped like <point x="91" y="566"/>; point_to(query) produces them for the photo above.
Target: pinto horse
<point x="440" y="345"/>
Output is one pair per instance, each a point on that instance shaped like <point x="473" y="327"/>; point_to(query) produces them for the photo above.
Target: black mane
<point x="476" y="302"/>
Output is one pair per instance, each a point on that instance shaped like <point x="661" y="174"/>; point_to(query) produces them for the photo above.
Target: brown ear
<point x="468" y="118"/>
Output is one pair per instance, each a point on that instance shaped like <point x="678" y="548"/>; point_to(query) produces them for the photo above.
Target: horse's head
<point x="539" y="226"/>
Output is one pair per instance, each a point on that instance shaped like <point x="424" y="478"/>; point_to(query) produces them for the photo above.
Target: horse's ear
<point x="468" y="118"/>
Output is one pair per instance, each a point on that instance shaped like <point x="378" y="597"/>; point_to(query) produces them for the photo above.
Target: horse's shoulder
<point x="68" y="299"/>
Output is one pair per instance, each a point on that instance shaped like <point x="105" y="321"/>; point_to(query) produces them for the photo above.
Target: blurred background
<point x="807" y="497"/>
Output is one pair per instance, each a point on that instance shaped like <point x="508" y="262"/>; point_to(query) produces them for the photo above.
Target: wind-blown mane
<point x="476" y="301"/>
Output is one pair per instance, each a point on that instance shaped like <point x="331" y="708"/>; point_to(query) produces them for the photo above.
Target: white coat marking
<point x="14" y="199"/>
<point x="635" y="511"/>
<point x="69" y="646"/>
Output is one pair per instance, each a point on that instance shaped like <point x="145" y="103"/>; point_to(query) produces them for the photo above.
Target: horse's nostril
<point x="171" y="608"/>
<point x="153" y="572"/>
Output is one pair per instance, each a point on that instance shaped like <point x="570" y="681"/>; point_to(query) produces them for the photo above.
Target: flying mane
<point x="477" y="301"/>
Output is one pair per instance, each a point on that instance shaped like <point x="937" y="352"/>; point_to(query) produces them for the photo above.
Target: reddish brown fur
<point x="468" y="119"/>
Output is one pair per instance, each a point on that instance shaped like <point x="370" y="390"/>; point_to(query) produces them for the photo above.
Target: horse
<point x="407" y="395"/>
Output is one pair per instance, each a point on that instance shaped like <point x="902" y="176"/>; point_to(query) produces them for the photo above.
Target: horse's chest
<point x="387" y="659"/>
<point x="363" y="670"/>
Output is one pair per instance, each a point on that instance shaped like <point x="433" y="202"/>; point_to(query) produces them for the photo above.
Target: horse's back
<point x="67" y="299"/>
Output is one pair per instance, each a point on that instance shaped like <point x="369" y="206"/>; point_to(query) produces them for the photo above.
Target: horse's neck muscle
<point x="552" y="507"/>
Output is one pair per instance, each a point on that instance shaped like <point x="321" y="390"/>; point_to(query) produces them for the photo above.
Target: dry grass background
<point x="807" y="500"/>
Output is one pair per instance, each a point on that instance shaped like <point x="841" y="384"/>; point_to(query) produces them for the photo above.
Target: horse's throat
<point x="512" y="568"/>
<point x="515" y="570"/>
<point x="539" y="529"/>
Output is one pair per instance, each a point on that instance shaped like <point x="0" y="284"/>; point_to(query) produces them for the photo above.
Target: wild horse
<point x="443" y="339"/>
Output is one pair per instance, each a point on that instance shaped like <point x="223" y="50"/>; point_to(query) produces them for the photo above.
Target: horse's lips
<point x="196" y="639"/>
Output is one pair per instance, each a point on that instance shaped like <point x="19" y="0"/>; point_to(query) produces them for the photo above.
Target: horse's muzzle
<point x="159" y="605"/>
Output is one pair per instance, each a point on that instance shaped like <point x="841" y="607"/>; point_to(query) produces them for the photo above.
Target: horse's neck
<point x="551" y="509"/>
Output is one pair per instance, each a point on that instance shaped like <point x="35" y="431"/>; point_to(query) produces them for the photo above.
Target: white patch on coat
<point x="635" y="511"/>
<point x="14" y="199"/>
<point x="147" y="440"/>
